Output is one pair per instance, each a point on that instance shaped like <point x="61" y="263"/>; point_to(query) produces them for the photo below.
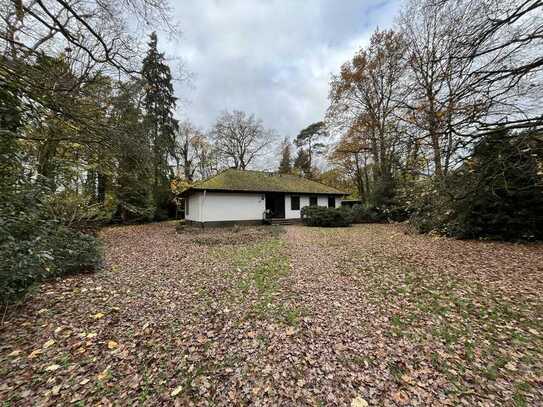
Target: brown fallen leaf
<point x="112" y="344"/>
<point x="104" y="374"/>
<point x="34" y="353"/>
<point x="98" y="315"/>
<point x="511" y="366"/>
<point x="52" y="368"/>
<point x="400" y="397"/>
<point x="359" y="402"/>
<point x="49" y="343"/>
<point x="16" y="352"/>
<point x="408" y="379"/>
<point x="176" y="391"/>
<point x="56" y="390"/>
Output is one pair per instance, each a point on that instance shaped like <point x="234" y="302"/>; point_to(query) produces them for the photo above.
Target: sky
<point x="273" y="58"/>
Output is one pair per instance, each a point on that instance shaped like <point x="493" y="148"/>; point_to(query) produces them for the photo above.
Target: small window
<point x="294" y="203"/>
<point x="331" y="201"/>
<point x="312" y="201"/>
<point x="186" y="206"/>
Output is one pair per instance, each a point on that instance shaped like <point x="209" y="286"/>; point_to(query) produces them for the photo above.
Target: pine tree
<point x="159" y="104"/>
<point x="302" y="163"/>
<point x="309" y="139"/>
<point x="134" y="173"/>
<point x="285" y="165"/>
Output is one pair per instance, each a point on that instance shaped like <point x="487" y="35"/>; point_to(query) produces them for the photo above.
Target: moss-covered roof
<point x="260" y="181"/>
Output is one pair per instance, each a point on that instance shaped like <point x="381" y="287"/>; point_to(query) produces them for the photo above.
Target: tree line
<point x="438" y="119"/>
<point x="87" y="131"/>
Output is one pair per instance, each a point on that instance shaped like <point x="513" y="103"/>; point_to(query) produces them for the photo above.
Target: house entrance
<point x="275" y="205"/>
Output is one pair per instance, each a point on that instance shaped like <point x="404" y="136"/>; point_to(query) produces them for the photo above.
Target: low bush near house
<point x="362" y="214"/>
<point x="326" y="217"/>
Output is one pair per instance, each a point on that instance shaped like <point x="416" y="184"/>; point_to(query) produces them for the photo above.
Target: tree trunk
<point x="102" y="186"/>
<point x="90" y="185"/>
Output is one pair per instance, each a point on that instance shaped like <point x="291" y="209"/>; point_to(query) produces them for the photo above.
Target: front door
<point x="275" y="205"/>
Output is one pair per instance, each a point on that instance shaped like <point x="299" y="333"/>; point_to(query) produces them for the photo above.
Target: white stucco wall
<point x="322" y="200"/>
<point x="223" y="206"/>
<point x="195" y="212"/>
<point x="304" y="201"/>
<point x="219" y="206"/>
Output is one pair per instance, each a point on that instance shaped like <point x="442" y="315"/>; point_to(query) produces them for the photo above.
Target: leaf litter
<point x="368" y="315"/>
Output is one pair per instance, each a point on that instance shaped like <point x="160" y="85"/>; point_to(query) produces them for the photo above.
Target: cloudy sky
<point x="272" y="58"/>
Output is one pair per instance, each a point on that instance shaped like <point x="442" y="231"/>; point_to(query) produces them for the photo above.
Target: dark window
<point x="312" y="201"/>
<point x="186" y="206"/>
<point x="331" y="201"/>
<point x="294" y="203"/>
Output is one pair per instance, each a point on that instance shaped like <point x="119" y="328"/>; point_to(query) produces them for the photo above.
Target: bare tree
<point x="499" y="45"/>
<point x="240" y="138"/>
<point x="504" y="38"/>
<point x="207" y="157"/>
<point x="189" y="145"/>
<point x="444" y="101"/>
<point x="95" y="32"/>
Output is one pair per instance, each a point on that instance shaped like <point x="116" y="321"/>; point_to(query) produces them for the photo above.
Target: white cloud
<point x="272" y="58"/>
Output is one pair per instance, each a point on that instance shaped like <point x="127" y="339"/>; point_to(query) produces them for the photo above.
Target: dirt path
<point x="307" y="317"/>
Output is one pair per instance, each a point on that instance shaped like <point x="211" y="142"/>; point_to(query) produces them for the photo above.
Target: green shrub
<point x="430" y="207"/>
<point x="500" y="189"/>
<point x="34" y="246"/>
<point x="326" y="217"/>
<point x="362" y="214"/>
<point x="496" y="194"/>
<point x="77" y="211"/>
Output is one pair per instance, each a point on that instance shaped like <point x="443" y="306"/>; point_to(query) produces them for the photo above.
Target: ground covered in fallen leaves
<point x="367" y="315"/>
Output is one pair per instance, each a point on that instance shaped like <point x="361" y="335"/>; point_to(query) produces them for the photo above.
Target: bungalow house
<point x="250" y="197"/>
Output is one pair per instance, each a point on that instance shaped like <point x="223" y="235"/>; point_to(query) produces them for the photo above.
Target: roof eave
<point x="196" y="189"/>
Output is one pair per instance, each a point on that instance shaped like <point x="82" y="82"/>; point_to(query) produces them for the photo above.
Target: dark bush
<point x="35" y="247"/>
<point x="362" y="214"/>
<point x="430" y="207"/>
<point x="500" y="189"/>
<point x="496" y="194"/>
<point x="326" y="217"/>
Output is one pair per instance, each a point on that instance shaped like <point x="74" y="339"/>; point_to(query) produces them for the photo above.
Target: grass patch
<point x="259" y="268"/>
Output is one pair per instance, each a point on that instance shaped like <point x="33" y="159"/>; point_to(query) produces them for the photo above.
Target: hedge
<point x="326" y="217"/>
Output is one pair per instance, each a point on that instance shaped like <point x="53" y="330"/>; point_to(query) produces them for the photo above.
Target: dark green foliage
<point x="309" y="137"/>
<point x="309" y="145"/>
<point x="285" y="165"/>
<point x="161" y="126"/>
<point x="133" y="188"/>
<point x="361" y="214"/>
<point x="501" y="189"/>
<point x="34" y="246"/>
<point x="302" y="163"/>
<point x="496" y="194"/>
<point x="326" y="217"/>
